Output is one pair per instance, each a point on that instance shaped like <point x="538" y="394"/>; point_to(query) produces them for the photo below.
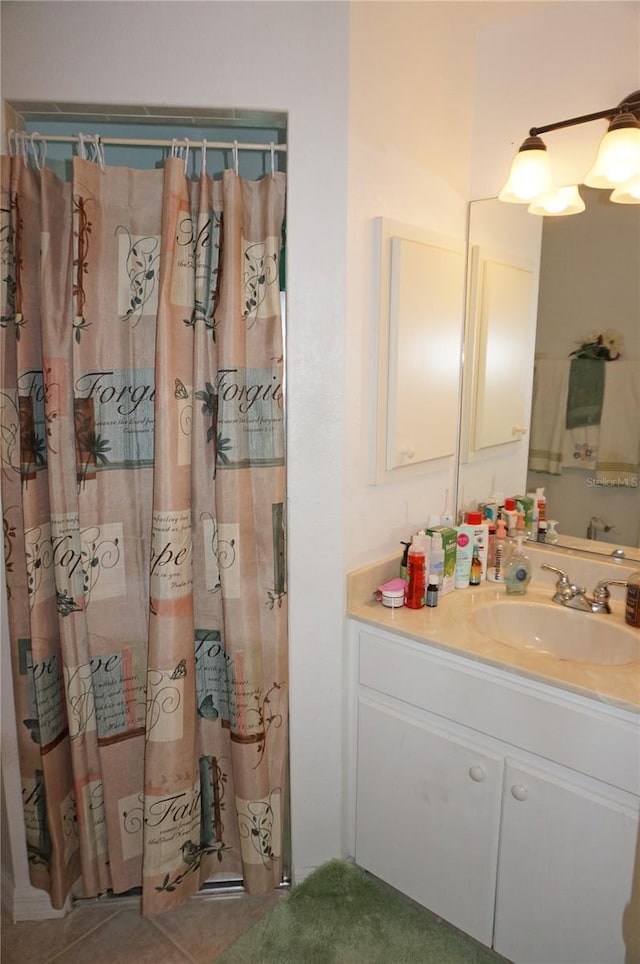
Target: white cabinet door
<point x="565" y="870"/>
<point x="428" y="815"/>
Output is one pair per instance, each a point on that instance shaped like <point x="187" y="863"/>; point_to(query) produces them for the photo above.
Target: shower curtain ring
<point x="100" y="152"/>
<point x="186" y="154"/>
<point x="235" y="156"/>
<point x="273" y="159"/>
<point x="93" y="156"/>
<point x="43" y="151"/>
<point x="23" y="147"/>
<point x="34" y="150"/>
<point x="204" y="156"/>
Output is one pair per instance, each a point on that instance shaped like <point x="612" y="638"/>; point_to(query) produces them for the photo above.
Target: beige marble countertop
<point x="450" y="626"/>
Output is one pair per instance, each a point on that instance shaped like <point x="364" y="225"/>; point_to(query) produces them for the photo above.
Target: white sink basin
<point x="563" y="633"/>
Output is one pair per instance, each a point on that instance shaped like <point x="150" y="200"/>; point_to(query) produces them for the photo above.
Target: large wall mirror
<point x="587" y="286"/>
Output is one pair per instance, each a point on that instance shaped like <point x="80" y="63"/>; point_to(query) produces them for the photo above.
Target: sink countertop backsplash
<point x="450" y="627"/>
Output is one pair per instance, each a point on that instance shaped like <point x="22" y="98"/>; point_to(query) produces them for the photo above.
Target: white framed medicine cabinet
<point x="420" y="317"/>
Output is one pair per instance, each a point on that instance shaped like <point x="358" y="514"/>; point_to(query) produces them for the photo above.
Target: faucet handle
<point x="564" y="579"/>
<point x="565" y="590"/>
<point x="602" y="589"/>
<point x="601" y="594"/>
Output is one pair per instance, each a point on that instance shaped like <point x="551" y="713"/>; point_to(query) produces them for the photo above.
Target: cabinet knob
<point x="519" y="430"/>
<point x="408" y="452"/>
<point x="519" y="792"/>
<point x="477" y="774"/>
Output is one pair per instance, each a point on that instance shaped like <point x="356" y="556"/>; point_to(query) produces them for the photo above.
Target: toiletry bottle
<point x="521" y="529"/>
<point x="495" y="573"/>
<point x="423" y="539"/>
<point x="632" y="606"/>
<point x="518" y="572"/>
<point x="403" y="564"/>
<point x="446" y="516"/>
<point x="436" y="557"/>
<point x="475" y="576"/>
<point x="432" y="590"/>
<point x="510" y="516"/>
<point x="491" y="545"/>
<point x="535" y="518"/>
<point x="542" y="530"/>
<point x="489" y="510"/>
<point x="542" y="504"/>
<point x="446" y="519"/>
<point x="464" y="554"/>
<point x="414" y="594"/>
<point x="552" y="533"/>
<point x="480" y="538"/>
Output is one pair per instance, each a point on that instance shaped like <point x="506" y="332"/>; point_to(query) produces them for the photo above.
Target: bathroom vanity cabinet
<point x="504" y="805"/>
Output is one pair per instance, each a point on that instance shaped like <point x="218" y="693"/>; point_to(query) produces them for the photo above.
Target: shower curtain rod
<point x="142" y="142"/>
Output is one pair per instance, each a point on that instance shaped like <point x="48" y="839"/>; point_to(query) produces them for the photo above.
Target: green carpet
<point x="341" y="915"/>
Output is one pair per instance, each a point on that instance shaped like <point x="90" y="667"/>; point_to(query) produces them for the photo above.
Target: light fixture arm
<point x="616" y="167"/>
<point x="630" y="104"/>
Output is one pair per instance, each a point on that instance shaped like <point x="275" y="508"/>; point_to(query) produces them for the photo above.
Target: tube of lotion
<point x="464" y="555"/>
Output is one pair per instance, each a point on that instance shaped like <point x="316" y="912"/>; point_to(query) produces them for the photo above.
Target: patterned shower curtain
<point x="143" y="487"/>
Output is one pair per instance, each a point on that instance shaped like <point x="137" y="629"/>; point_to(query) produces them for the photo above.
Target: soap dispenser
<point x="518" y="573"/>
<point x="405" y="560"/>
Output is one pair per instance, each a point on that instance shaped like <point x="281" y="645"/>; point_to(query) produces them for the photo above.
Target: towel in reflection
<point x="548" y="414"/>
<point x="618" y="461"/>
<point x="586" y="392"/>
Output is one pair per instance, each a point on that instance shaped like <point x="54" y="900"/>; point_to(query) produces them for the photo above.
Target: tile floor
<point x="107" y="931"/>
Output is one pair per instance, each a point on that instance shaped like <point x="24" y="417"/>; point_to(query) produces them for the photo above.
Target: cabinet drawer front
<point x="556" y="725"/>
<point x="428" y="815"/>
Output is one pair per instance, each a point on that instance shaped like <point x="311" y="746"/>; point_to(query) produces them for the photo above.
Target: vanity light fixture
<point x="617" y="165"/>
<point x="628" y="193"/>
<point x="558" y="201"/>
<point x="530" y="173"/>
<point x="618" y="157"/>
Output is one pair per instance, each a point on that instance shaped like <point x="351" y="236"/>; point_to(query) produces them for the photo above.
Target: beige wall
<point x="412" y="69"/>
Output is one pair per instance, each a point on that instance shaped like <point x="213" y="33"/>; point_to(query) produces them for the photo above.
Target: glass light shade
<point x="557" y="202"/>
<point x="530" y="173"/>
<point x="627" y="193"/>
<point x="618" y="157"/>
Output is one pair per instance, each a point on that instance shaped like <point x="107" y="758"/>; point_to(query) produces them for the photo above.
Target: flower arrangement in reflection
<point x="606" y="344"/>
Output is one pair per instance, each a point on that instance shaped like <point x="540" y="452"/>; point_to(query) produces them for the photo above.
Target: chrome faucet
<point x="575" y="597"/>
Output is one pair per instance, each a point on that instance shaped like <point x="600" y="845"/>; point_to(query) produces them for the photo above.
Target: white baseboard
<point x="301" y="873"/>
<point x="29" y="903"/>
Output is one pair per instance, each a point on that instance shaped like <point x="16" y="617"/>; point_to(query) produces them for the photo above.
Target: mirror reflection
<point x="583" y="444"/>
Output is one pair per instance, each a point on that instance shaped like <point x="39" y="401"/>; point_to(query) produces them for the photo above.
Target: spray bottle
<point x="415" y="591"/>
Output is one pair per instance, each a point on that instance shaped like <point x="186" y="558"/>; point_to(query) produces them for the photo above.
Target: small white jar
<point x="392" y="598"/>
